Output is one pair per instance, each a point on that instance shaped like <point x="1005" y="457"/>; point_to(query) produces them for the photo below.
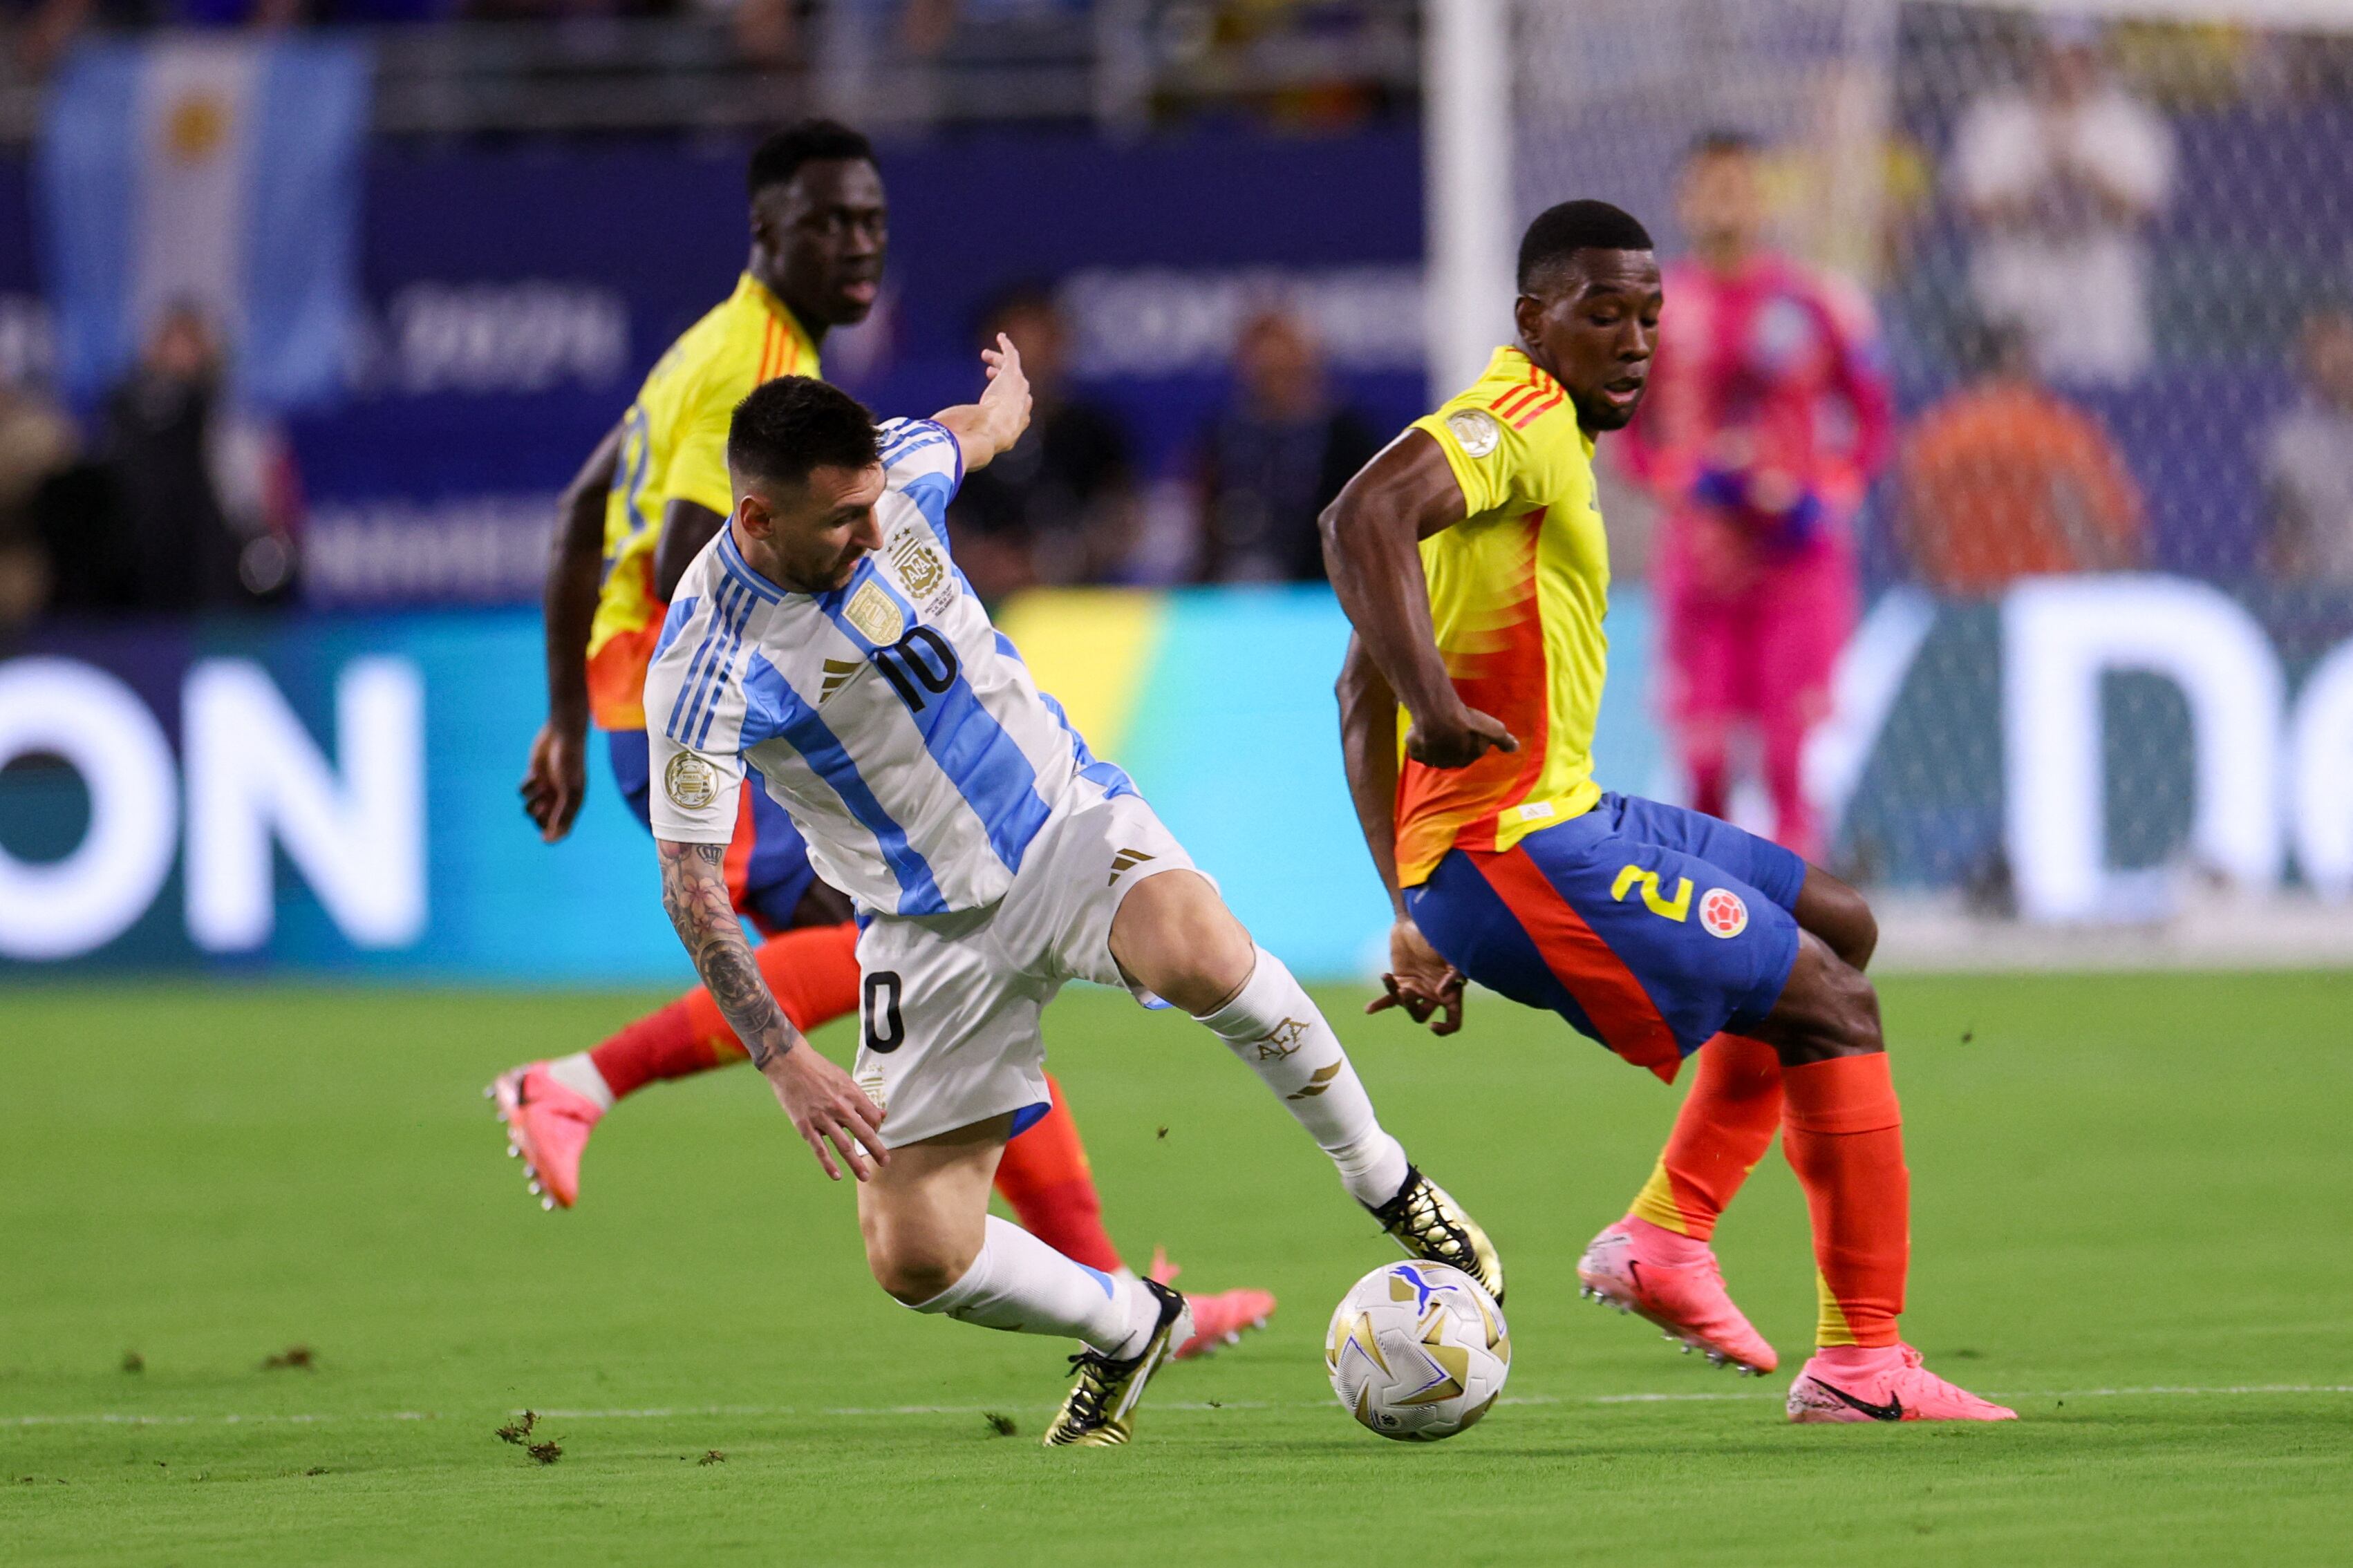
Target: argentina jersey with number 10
<point x="890" y="717"/>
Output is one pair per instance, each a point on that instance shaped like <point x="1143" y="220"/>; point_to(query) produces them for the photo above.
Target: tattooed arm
<point x="826" y="1105"/>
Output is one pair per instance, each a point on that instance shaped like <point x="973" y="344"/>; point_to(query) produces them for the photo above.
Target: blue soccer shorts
<point x="1650" y="928"/>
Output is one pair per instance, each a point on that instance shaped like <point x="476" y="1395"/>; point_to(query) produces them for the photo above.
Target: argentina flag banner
<point x="221" y="173"/>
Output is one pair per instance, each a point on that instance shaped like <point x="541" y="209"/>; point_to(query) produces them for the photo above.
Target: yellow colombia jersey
<point x="1517" y="592"/>
<point x="674" y="448"/>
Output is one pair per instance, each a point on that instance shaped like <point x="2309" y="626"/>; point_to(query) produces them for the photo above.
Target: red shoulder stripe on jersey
<point x="768" y="351"/>
<point x="1514" y="401"/>
<point x="1528" y="413"/>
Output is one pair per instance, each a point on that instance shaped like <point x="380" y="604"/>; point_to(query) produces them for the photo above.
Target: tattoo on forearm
<point x="694" y="894"/>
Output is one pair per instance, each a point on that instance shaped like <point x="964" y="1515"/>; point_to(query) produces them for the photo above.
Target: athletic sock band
<point x="1280" y="1035"/>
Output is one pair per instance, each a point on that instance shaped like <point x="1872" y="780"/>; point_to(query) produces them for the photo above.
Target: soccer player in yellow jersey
<point x="1471" y="558"/>
<point x="651" y="495"/>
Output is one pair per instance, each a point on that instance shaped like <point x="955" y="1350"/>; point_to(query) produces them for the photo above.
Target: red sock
<point x="1726" y="1125"/>
<point x="813" y="972"/>
<point x="1045" y="1177"/>
<point x="1843" y="1134"/>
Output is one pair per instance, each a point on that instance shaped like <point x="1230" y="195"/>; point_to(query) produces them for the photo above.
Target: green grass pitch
<point x="2132" y="1196"/>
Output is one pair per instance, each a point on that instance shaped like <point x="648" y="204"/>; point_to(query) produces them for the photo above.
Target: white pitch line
<point x="770" y="1412"/>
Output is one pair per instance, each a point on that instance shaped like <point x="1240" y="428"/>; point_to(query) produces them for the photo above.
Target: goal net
<point x="2102" y="668"/>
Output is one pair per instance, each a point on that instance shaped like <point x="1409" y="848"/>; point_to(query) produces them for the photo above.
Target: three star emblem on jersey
<point x="872" y="612"/>
<point x="920" y="567"/>
<point x="1475" y="429"/>
<point x="1724" y="912"/>
<point x="690" y="783"/>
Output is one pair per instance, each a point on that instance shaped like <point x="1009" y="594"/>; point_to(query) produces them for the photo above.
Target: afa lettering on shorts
<point x="1723" y="912"/>
<point x="1677" y="908"/>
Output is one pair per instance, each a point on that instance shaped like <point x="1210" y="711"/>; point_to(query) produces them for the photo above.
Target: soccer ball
<point x="1417" y="1351"/>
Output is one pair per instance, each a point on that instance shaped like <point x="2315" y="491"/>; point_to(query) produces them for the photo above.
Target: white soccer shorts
<point x="949" y="1005"/>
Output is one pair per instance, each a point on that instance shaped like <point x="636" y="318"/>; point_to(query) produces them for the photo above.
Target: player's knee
<point x="913" y="1268"/>
<point x="1838" y="915"/>
<point x="1830" y="1008"/>
<point x="1175" y="937"/>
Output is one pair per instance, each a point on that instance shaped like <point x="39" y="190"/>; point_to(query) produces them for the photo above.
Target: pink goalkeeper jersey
<point x="1774" y="369"/>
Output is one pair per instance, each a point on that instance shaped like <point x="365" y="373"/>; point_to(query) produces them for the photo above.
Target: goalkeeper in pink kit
<point x="1767" y="416"/>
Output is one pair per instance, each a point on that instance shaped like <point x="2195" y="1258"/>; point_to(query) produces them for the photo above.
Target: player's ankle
<point x="1657" y="1245"/>
<point x="1143" y="1317"/>
<point x="1372" y="1167"/>
<point x="578" y="1073"/>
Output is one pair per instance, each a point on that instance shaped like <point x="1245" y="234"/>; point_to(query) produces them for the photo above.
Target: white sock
<point x="577" y="1073"/>
<point x="1282" y="1035"/>
<point x="1023" y="1286"/>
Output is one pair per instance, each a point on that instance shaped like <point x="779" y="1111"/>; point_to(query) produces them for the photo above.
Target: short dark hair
<point x="780" y="155"/>
<point x="796" y="422"/>
<point x="1717" y="141"/>
<point x="1559" y="232"/>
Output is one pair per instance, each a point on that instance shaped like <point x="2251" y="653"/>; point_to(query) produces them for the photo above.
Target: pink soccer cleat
<point x="1674" y="1282"/>
<point x="1219" y="1320"/>
<point x="1848" y="1383"/>
<point x="547" y="1128"/>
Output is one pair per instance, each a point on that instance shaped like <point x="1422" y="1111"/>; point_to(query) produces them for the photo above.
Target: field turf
<point x="2132" y="1196"/>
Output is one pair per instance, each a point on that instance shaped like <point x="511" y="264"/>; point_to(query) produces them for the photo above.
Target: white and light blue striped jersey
<point x="890" y="717"/>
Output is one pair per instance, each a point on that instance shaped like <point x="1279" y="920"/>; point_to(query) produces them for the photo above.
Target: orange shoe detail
<point x="1219" y="1320"/>
<point x="1887" y="1383"/>
<point x="1686" y="1301"/>
<point x="547" y="1128"/>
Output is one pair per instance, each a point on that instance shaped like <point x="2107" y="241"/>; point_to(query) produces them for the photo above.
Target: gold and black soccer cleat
<point x="1432" y="1226"/>
<point x="1099" y="1411"/>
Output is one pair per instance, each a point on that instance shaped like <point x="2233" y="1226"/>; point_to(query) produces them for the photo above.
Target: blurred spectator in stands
<point x="2062" y="180"/>
<point x="2004" y="478"/>
<point x="1063" y="505"/>
<point x="1767" y="416"/>
<point x="768" y="31"/>
<point x="2307" y="461"/>
<point x="926" y="28"/>
<point x="206" y="499"/>
<point x="1274" y="457"/>
<point x="36" y="442"/>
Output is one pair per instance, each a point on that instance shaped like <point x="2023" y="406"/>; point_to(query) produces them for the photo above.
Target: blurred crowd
<point x="1777" y="437"/>
<point x="1311" y="62"/>
<point x="177" y="502"/>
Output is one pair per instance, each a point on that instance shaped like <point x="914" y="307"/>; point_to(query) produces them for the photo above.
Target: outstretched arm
<point x="556" y="779"/>
<point x="991" y="426"/>
<point x="826" y="1105"/>
<point x="1418" y="980"/>
<point x="1372" y="537"/>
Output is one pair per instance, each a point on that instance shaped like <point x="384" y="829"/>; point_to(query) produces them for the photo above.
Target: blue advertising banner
<point x="337" y="794"/>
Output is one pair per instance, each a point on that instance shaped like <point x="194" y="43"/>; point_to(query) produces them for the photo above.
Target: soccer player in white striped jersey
<point x="826" y="639"/>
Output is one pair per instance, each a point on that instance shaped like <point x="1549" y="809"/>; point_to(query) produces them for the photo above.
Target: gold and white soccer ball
<point x="1417" y="1351"/>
